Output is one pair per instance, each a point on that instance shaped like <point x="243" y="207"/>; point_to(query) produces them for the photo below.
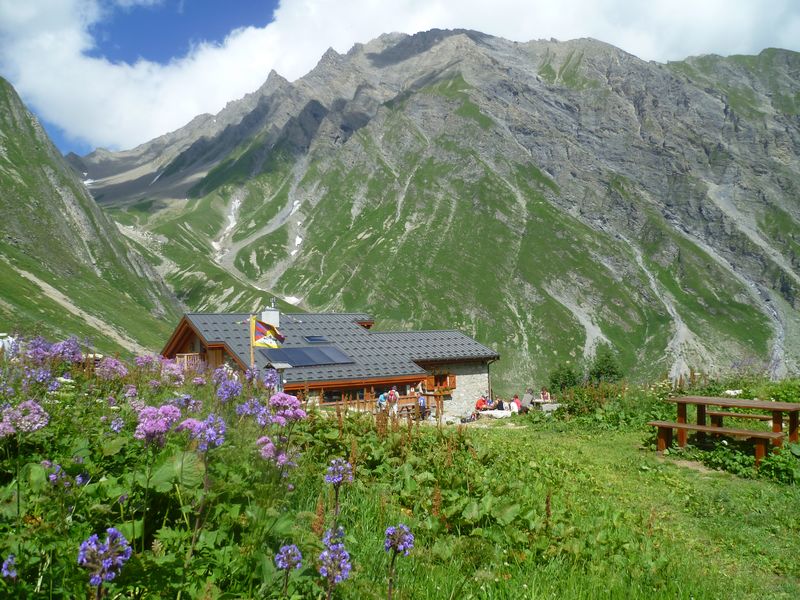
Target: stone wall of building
<point x="472" y="380"/>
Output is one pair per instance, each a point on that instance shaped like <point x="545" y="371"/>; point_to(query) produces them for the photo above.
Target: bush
<point x="564" y="376"/>
<point x="605" y="367"/>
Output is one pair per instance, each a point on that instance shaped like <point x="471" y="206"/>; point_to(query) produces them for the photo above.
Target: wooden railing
<point x="189" y="361"/>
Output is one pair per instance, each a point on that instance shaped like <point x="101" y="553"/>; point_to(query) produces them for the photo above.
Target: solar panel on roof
<point x="307" y="357"/>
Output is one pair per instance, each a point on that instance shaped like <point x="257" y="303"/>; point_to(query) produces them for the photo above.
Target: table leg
<point x="777" y="426"/>
<point x="761" y="450"/>
<point x="794" y="417"/>
<point x="681" y="419"/>
<point x="701" y="420"/>
<point x="664" y="438"/>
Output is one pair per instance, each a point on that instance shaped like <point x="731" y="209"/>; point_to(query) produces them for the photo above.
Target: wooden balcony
<point x="190" y="361"/>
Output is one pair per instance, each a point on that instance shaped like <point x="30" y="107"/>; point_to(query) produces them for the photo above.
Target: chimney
<point x="272" y="316"/>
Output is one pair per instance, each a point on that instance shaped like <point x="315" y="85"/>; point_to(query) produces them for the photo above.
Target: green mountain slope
<point x="545" y="197"/>
<point x="64" y="269"/>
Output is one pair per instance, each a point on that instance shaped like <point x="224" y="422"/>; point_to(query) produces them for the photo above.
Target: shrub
<point x="605" y="367"/>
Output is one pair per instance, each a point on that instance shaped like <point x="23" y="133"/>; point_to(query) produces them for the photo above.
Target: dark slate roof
<point x="372" y="354"/>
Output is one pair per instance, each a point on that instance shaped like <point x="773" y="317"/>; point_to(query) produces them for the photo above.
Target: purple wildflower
<point x="111" y="368"/>
<point x="37" y="350"/>
<point x="282" y="409"/>
<point x="172" y="372"/>
<point x="339" y="471"/>
<point x="117" y="424"/>
<point x="251" y="375"/>
<point x="188" y="402"/>
<point x="251" y="407"/>
<point x="221" y="374"/>
<point x="228" y="390"/>
<point x="198" y="381"/>
<point x="146" y="362"/>
<point x="27" y="417"/>
<point x="210" y="432"/>
<point x="68" y="351"/>
<point x="334" y="560"/>
<point x="154" y="423"/>
<point x="289" y="557"/>
<point x="9" y="570"/>
<point x="105" y="560"/>
<point x="272" y="378"/>
<point x="130" y="391"/>
<point x="399" y="539"/>
<point x="59" y="478"/>
<point x="266" y="448"/>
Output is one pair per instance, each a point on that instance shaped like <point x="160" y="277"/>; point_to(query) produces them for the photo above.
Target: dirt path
<point x="101" y="326"/>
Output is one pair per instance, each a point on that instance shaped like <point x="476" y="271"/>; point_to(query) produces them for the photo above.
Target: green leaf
<point x="131" y="529"/>
<point x="472" y="512"/>
<point x="507" y="513"/>
<point x="184" y="468"/>
<point x="113" y="446"/>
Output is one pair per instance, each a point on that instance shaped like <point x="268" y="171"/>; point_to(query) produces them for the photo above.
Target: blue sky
<point x="117" y="73"/>
<point x="162" y="31"/>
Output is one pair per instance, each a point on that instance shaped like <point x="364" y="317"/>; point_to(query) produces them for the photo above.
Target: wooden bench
<point x="717" y="415"/>
<point x="759" y="437"/>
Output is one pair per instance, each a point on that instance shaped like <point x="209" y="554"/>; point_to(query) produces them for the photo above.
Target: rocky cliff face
<point x="544" y="197"/>
<point x="64" y="267"/>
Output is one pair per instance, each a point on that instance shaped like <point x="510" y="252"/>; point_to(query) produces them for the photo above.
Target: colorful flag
<point x="264" y="335"/>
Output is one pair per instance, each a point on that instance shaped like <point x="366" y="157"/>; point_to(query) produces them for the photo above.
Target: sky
<point x="118" y="73"/>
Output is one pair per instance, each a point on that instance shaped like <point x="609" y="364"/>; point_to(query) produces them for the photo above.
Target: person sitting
<point x="545" y="395"/>
<point x="481" y="404"/>
<point x="499" y="404"/>
<point x="517" y="405"/>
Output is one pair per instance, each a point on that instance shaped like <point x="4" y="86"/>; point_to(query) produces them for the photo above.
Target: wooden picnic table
<point x="776" y="408"/>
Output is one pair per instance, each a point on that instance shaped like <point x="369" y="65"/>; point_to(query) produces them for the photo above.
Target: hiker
<point x="481" y="404"/>
<point x="422" y="405"/>
<point x="394" y="399"/>
<point x="381" y="402"/>
<point x="526" y="402"/>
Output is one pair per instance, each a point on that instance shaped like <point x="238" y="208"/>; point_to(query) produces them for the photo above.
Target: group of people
<point x="515" y="405"/>
<point x="391" y="401"/>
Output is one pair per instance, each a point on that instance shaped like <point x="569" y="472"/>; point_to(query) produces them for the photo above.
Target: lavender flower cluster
<point x="228" y="389"/>
<point x="288" y="558"/>
<point x="281" y="457"/>
<point x="334" y="560"/>
<point x="187" y="401"/>
<point x="340" y="471"/>
<point x="272" y="379"/>
<point x="155" y="423"/>
<point x="110" y="369"/>
<point x="26" y="417"/>
<point x="209" y="433"/>
<point x="59" y="478"/>
<point x="146" y="362"/>
<point x="105" y="560"/>
<point x="399" y="539"/>
<point x="172" y="372"/>
<point x="9" y="570"/>
<point x="281" y="410"/>
<point x="68" y="351"/>
<point x="249" y="408"/>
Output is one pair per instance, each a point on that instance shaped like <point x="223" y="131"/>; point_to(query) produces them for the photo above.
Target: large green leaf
<point x="184" y="468"/>
<point x="507" y="513"/>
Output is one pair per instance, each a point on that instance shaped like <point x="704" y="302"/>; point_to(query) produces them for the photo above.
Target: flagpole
<point x="252" y="335"/>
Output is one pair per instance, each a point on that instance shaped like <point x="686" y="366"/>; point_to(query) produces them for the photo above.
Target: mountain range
<point x="544" y="197"/>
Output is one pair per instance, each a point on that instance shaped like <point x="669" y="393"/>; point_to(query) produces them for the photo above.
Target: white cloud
<point x="44" y="49"/>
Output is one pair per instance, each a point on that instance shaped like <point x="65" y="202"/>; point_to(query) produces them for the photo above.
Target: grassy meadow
<point x="575" y="505"/>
